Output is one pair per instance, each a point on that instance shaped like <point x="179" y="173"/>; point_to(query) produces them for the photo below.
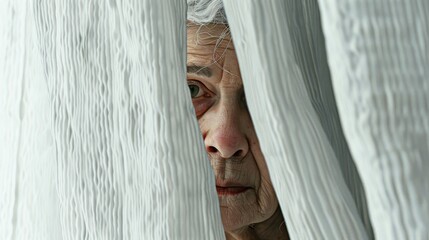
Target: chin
<point x="233" y="220"/>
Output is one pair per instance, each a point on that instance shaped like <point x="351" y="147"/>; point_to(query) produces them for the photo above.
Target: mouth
<point x="225" y="191"/>
<point x="229" y="188"/>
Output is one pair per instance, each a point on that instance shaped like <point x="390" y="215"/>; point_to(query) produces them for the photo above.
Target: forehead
<point x="209" y="43"/>
<point x="208" y="34"/>
<point x="211" y="46"/>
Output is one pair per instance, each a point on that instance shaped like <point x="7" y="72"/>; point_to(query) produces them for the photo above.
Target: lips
<point x="225" y="188"/>
<point x="230" y="190"/>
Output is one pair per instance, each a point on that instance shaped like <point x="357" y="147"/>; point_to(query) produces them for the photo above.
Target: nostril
<point x="238" y="153"/>
<point x="211" y="149"/>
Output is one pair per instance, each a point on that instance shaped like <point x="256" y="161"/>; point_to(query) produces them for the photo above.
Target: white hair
<point x="206" y="11"/>
<point x="203" y="12"/>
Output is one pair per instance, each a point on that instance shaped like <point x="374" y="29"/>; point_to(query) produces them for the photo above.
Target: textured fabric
<point x="287" y="94"/>
<point x="29" y="206"/>
<point x="379" y="58"/>
<point x="99" y="139"/>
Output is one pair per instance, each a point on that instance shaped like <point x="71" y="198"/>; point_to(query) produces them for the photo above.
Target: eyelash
<point x="201" y="86"/>
<point x="203" y="102"/>
<point x="207" y="92"/>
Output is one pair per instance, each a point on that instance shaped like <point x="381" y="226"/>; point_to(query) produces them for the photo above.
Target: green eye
<point x="194" y="89"/>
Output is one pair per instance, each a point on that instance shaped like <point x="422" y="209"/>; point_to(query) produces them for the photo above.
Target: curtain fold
<point x="99" y="136"/>
<point x="280" y="49"/>
<point x="379" y="56"/>
<point x="29" y="208"/>
<point x="99" y="139"/>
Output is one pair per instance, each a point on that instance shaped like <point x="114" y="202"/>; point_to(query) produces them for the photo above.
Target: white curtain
<point x="98" y="134"/>
<point x="98" y="137"/>
<point x="378" y="53"/>
<point x="281" y="53"/>
<point x="378" y="59"/>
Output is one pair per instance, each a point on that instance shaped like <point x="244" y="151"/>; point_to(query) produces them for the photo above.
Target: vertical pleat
<point x="378" y="56"/>
<point x="99" y="139"/>
<point x="290" y="99"/>
<point x="310" y="55"/>
<point x="29" y="208"/>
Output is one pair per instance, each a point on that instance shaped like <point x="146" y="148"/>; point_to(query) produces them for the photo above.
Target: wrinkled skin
<point x="249" y="206"/>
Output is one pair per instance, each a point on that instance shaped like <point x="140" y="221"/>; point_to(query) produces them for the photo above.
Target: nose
<point x="225" y="138"/>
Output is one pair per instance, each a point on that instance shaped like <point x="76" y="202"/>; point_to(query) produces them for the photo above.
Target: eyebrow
<point x="199" y="70"/>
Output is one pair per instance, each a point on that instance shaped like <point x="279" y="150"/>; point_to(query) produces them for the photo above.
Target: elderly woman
<point x="248" y="202"/>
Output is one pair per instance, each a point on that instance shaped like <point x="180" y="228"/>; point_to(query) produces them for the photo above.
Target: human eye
<point x="196" y="89"/>
<point x="202" y="97"/>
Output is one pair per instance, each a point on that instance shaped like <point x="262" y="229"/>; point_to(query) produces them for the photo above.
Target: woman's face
<point x="243" y="184"/>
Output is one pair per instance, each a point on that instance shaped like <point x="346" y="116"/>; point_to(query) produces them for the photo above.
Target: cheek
<point x="266" y="195"/>
<point x="202" y="105"/>
<point x="256" y="206"/>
